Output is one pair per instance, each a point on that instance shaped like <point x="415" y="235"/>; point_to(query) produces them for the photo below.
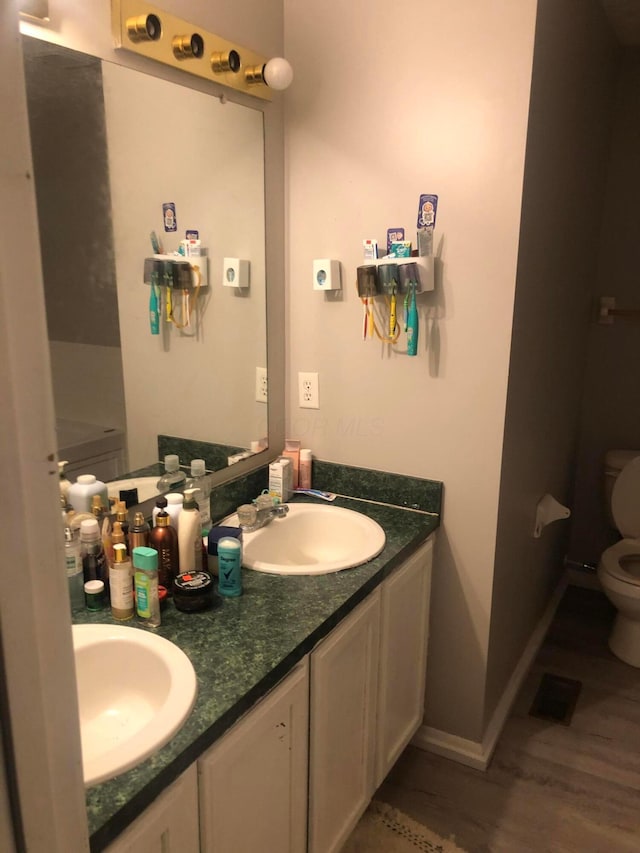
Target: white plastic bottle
<point x="190" y="535"/>
<point x="175" y="502"/>
<point x="83" y="490"/>
<point x="199" y="481"/>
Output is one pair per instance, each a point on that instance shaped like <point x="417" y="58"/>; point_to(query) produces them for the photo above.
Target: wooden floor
<point x="550" y="788"/>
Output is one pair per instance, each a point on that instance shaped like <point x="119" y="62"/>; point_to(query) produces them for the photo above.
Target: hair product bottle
<point x="75" y="576"/>
<point x="164" y="539"/>
<point x="145" y="564"/>
<point x="94" y="561"/>
<point x="120" y="584"/>
<point x="138" y="533"/>
<point x="161" y="504"/>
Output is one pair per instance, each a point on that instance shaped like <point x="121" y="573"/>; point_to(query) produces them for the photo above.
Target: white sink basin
<point x="146" y="486"/>
<point x="312" y="540"/>
<point x="135" y="689"/>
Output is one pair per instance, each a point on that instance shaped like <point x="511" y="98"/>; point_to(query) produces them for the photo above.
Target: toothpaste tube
<point x="316" y="493"/>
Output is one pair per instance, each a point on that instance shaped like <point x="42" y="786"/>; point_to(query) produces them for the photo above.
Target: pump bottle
<point x="164" y="539"/>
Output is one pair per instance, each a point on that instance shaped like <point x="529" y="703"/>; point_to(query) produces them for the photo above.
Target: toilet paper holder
<point x="548" y="510"/>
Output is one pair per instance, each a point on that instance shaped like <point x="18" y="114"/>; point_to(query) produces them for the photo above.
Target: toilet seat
<point x="625" y="500"/>
<point x="611" y="562"/>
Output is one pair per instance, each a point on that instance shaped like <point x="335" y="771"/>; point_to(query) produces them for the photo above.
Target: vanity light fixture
<point x="188" y="47"/>
<point x="144" y="28"/>
<point x="228" y="61"/>
<point x="140" y="27"/>
<point x="277" y="74"/>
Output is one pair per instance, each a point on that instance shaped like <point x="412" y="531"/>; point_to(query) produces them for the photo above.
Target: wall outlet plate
<point x="262" y="386"/>
<point x="308" y="394"/>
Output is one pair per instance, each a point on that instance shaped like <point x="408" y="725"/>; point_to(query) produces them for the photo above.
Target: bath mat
<point x="556" y="699"/>
<point x="383" y="829"/>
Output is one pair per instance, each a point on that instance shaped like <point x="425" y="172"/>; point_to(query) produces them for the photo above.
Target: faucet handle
<point x="247" y="515"/>
<point x="264" y="501"/>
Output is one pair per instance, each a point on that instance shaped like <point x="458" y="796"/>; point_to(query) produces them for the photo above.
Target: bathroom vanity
<point x="308" y="690"/>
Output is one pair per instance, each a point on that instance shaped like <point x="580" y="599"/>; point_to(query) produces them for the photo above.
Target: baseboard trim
<point x="478" y="754"/>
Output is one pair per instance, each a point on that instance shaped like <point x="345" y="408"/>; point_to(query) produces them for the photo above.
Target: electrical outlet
<point x="308" y="394"/>
<point x="262" y="388"/>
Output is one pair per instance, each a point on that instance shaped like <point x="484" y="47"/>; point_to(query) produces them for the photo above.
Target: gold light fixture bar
<point x="148" y="31"/>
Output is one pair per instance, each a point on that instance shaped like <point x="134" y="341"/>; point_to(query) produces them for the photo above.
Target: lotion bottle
<point x="190" y="535"/>
<point x="200" y="481"/>
<point x="305" y="468"/>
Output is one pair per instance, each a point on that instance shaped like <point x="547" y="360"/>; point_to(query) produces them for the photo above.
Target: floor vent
<point x="556" y="699"/>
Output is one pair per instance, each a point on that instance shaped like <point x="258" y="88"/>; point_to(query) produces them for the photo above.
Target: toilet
<point x="619" y="567"/>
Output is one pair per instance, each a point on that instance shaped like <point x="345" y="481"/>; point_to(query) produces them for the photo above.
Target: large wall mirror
<point x="111" y="146"/>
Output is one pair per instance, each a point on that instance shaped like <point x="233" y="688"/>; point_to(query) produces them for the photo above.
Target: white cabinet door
<point x="169" y="825"/>
<point x="403" y="657"/>
<point x="344" y="670"/>
<point x="253" y="781"/>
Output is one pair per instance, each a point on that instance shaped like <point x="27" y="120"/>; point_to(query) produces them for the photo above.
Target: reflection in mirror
<point x="110" y="147"/>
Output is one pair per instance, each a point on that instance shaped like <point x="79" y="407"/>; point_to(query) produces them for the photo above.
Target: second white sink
<point x="312" y="540"/>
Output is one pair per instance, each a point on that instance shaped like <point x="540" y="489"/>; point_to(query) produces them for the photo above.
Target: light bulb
<point x="278" y="73"/>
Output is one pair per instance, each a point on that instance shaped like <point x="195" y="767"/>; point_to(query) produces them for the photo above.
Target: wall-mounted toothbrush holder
<point x="418" y="269"/>
<point x="177" y="272"/>
<point x="236" y="272"/>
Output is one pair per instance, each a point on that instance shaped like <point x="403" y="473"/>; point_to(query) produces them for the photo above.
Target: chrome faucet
<point x="252" y="517"/>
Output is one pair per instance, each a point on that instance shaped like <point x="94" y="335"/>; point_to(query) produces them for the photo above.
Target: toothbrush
<point x="392" y="314"/>
<point x="154" y="306"/>
<point x="412" y="323"/>
<point x="156" y="245"/>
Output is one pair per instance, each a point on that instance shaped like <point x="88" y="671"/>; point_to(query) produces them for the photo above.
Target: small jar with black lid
<point x="193" y="591"/>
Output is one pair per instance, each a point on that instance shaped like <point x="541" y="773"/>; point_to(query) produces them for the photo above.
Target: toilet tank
<point x="614" y="462"/>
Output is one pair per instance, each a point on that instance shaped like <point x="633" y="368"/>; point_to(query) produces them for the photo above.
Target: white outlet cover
<point x="262" y="385"/>
<point x="308" y="393"/>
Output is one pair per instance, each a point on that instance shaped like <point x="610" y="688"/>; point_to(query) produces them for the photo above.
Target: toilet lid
<point x="625" y="500"/>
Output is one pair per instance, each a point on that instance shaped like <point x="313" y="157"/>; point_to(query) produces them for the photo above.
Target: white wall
<point x="611" y="407"/>
<point x="389" y="102"/>
<point x="564" y="184"/>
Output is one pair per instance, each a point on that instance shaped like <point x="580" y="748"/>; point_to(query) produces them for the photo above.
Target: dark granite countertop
<point x="241" y="649"/>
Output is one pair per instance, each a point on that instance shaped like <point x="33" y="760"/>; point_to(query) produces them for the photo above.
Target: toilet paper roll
<point x="548" y="510"/>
